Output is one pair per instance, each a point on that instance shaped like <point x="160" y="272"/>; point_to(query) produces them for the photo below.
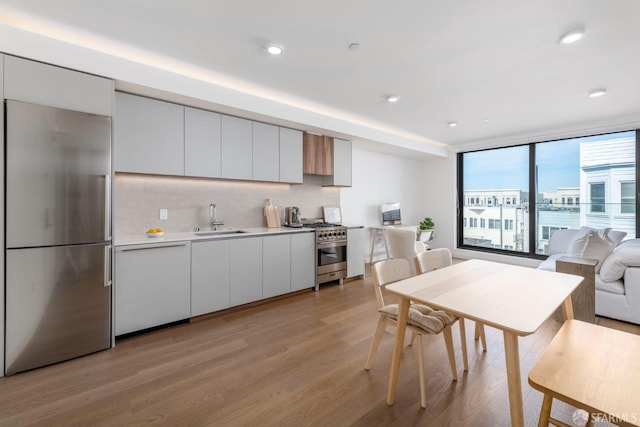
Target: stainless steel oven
<point x="331" y="253"/>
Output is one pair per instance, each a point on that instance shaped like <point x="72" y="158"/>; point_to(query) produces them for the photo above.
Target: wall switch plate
<point x="164" y="214"/>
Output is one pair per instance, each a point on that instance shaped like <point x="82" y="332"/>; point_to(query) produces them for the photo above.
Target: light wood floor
<point x="297" y="361"/>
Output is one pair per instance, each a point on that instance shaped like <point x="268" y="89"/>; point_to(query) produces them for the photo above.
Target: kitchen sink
<point x="217" y="232"/>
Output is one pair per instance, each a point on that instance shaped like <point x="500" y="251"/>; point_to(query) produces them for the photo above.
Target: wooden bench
<point x="593" y="368"/>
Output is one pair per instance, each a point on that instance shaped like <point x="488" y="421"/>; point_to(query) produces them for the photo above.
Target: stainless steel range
<point x="331" y="252"/>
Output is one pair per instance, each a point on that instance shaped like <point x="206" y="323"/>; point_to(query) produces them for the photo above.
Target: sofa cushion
<point x="615" y="287"/>
<point x="627" y="254"/>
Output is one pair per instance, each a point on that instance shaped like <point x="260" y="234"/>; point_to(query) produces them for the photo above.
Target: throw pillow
<point x="577" y="246"/>
<point x="597" y="248"/>
<point x="615" y="236"/>
<point x="627" y="254"/>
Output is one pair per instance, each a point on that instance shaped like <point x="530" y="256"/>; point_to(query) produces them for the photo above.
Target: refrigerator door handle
<point x="107" y="207"/>
<point x="107" y="266"/>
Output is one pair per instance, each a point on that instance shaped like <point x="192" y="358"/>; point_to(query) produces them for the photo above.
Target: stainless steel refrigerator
<point x="58" y="235"/>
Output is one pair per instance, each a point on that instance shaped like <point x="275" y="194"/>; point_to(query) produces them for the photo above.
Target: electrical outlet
<point x="164" y="214"/>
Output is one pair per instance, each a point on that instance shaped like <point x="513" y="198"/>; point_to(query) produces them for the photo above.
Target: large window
<point x="491" y="178"/>
<point x="527" y="192"/>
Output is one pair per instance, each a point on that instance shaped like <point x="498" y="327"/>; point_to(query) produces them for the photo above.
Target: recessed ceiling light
<point x="275" y="49"/>
<point x="597" y="92"/>
<point x="452" y="124"/>
<point x="393" y="98"/>
<point x="572" y="36"/>
<point x="487" y="120"/>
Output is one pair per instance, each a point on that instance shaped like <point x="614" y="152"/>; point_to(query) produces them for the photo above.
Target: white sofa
<point x="617" y="272"/>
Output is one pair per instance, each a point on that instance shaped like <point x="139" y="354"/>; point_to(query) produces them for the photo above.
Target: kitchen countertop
<point x="143" y="239"/>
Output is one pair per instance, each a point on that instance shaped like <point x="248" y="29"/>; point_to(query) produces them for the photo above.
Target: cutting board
<point x="271" y="212"/>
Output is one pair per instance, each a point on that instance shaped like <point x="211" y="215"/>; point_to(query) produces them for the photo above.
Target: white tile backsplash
<point x="137" y="200"/>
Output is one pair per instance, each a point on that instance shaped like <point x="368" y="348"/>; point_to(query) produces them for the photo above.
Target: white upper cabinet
<point x="44" y="84"/>
<point x="148" y="135"/>
<point x="202" y="132"/>
<point x="266" y="152"/>
<point x="237" y="148"/>
<point x="341" y="163"/>
<point x="291" y="156"/>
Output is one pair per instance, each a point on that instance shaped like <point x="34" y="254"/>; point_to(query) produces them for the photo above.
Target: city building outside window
<point x="600" y="170"/>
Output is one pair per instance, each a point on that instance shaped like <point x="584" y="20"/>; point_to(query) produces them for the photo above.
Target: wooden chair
<point x="438" y="258"/>
<point x="422" y="319"/>
<point x="402" y="243"/>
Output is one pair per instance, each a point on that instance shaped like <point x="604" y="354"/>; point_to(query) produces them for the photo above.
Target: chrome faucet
<point x="214" y="219"/>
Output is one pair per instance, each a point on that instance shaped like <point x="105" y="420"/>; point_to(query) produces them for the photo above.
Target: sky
<point x="558" y="164"/>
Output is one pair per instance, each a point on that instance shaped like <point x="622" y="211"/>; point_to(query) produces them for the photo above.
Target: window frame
<point x="530" y="252"/>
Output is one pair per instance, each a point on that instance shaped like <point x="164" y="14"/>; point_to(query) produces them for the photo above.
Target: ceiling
<point x="493" y="66"/>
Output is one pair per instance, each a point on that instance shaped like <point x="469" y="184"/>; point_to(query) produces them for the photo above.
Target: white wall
<point x="379" y="178"/>
<point x="439" y="198"/>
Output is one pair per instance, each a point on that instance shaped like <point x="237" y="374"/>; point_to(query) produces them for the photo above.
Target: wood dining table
<point x="513" y="299"/>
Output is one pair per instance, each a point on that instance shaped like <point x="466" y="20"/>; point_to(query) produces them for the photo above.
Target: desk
<point x="516" y="300"/>
<point x="593" y="368"/>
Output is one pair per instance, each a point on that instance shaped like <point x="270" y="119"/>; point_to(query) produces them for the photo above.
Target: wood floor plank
<point x="296" y="361"/>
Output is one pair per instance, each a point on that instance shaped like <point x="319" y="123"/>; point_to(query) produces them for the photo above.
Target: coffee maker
<point x="292" y="216"/>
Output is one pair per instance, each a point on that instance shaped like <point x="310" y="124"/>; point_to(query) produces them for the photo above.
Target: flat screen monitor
<point x="391" y="214"/>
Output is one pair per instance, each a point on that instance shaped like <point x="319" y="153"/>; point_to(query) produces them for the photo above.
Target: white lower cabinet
<point x="209" y="276"/>
<point x="152" y="285"/>
<point x="160" y="283"/>
<point x="245" y="270"/>
<point x="303" y="261"/>
<point x="355" y="252"/>
<point x="276" y="265"/>
<point x="227" y="273"/>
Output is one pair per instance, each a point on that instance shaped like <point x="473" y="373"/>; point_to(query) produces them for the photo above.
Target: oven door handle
<point x="331" y="244"/>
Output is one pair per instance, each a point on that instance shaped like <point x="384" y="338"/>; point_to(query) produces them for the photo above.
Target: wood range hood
<point x="328" y="157"/>
<point x="318" y="154"/>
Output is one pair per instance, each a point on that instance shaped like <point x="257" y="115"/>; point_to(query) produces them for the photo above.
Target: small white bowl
<point x="158" y="234"/>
